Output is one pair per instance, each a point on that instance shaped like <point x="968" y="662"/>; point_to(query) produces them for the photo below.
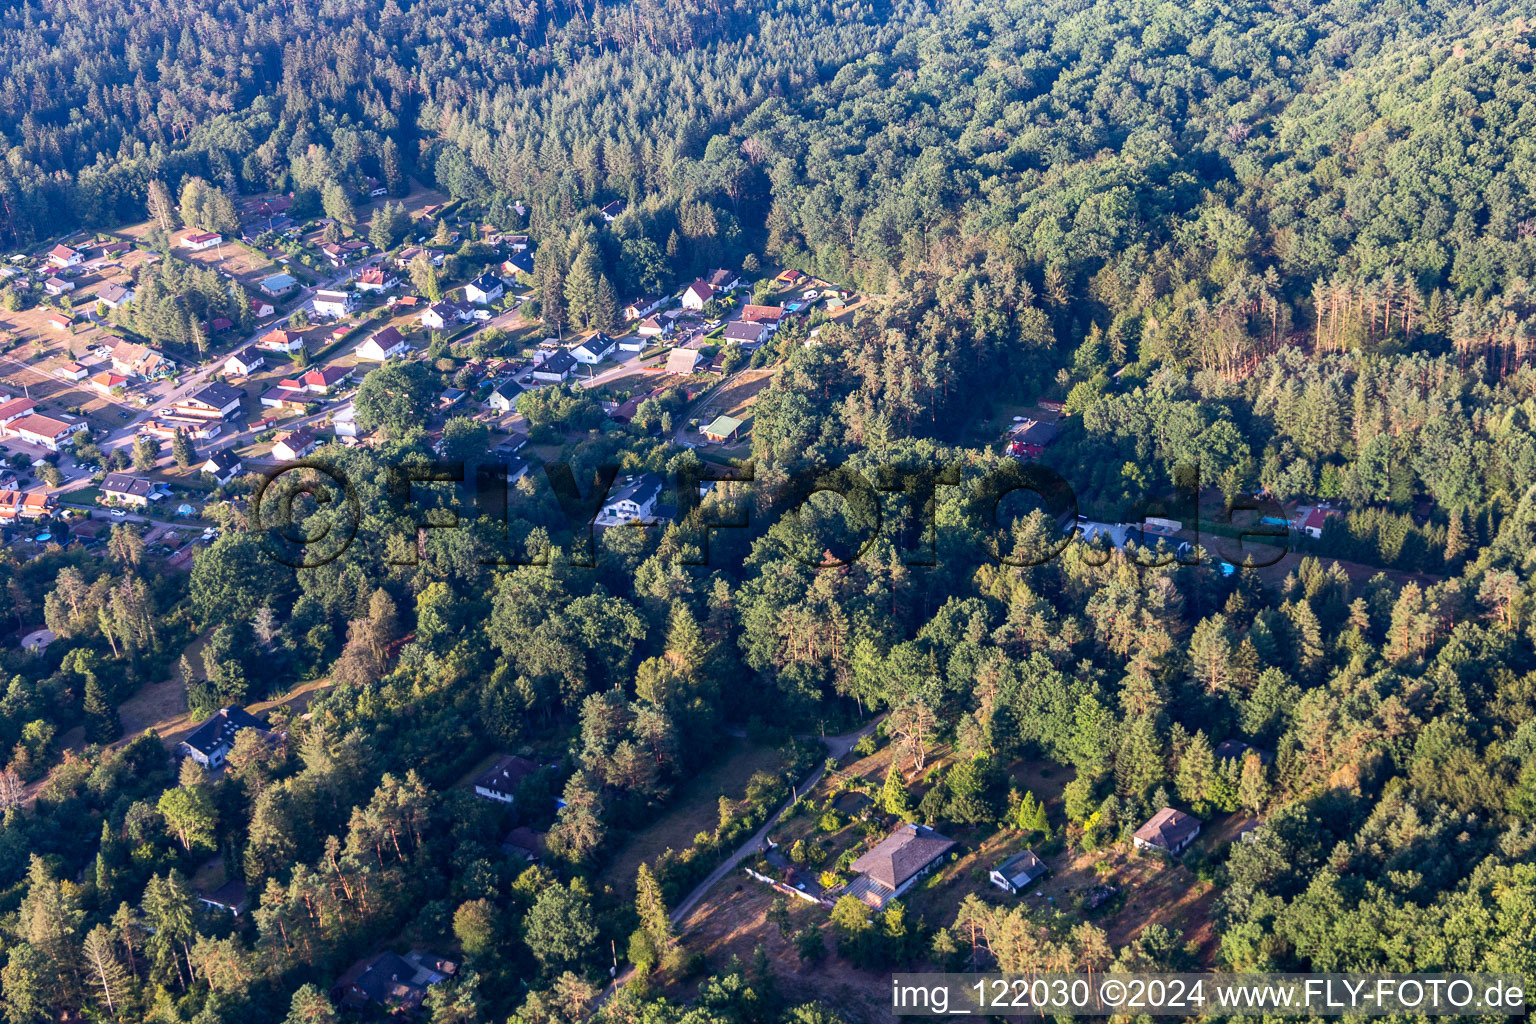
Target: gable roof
<point x="488" y="282"/>
<point x="218" y="395"/>
<point x="505" y="775"/>
<point x="222" y="460"/>
<point x="761" y="314"/>
<point x="1022" y="868"/>
<point x="682" y="361"/>
<point x="743" y="330"/>
<point x="903" y="854"/>
<point x="113" y="291"/>
<point x="1168" y="828"/>
<point x="599" y="344"/>
<point x="219" y="731"/>
<point x="124" y="483"/>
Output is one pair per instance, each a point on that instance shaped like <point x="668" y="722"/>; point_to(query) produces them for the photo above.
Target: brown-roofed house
<point x="896" y="863"/>
<point x="1168" y="830"/>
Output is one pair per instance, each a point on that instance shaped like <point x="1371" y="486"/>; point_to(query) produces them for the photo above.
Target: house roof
<point x="723" y="426"/>
<point x="298" y="440"/>
<point x="487" y="282"/>
<point x="1022" y="868"/>
<point x="63" y="252"/>
<point x="558" y="362"/>
<point x="1168" y="828"/>
<point x="505" y="775"/>
<point x="719" y="278"/>
<point x="277" y="282"/>
<point x="247" y="355"/>
<point x="702" y="289"/>
<point x="523" y="840"/>
<point x="682" y="361"/>
<point x="124" y="483"/>
<point x="16" y="407"/>
<point x="327" y="295"/>
<point x="642" y="490"/>
<point x="599" y="344"/>
<point x="199" y="237"/>
<point x="279" y="338"/>
<point x="743" y="330"/>
<point x="219" y="731"/>
<point x="387" y="338"/>
<point x="113" y="291"/>
<point x="218" y="395"/>
<point x="42" y="426"/>
<point x="508" y="389"/>
<point x="902" y="854"/>
<point x="761" y="314"/>
<point x="376" y="275"/>
<point x="222" y="460"/>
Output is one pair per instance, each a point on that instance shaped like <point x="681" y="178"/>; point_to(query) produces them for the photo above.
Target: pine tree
<point x="390" y="167"/>
<point x="105" y="970"/>
<point x="181" y="449"/>
<point x="655" y="922"/>
<point x="581" y="286"/>
<point x="894" y="798"/>
<point x="101" y="724"/>
<point x="1197" y="767"/>
<point x="605" y="312"/>
<point x="552" y="293"/>
<point x="162" y="210"/>
<point x="1252" y="787"/>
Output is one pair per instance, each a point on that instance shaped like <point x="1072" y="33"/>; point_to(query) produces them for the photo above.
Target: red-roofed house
<point x="63" y="256"/>
<point x="197" y="241"/>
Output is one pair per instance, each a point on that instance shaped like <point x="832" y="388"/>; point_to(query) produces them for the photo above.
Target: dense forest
<point x="1287" y="245"/>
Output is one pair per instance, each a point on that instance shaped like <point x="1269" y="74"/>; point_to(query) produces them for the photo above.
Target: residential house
<point x="556" y="368"/>
<point x="503" y="397"/>
<point x="1030" y="439"/>
<point x="1168" y="830"/>
<point x="344" y="422"/>
<point x="485" y="289"/>
<point x="44" y="431"/>
<point x="18" y="505"/>
<point x="341" y="253"/>
<point x="499" y="782"/>
<point x="1310" y="520"/>
<point x="524" y="844"/>
<point x="295" y="445"/>
<point x="126" y="489"/>
<point x="697" y="294"/>
<point x="770" y="315"/>
<point x="377" y="279"/>
<point x="652" y="326"/>
<point x="197" y="241"/>
<point x="63" y="256"/>
<point x="790" y="277"/>
<point x="635" y="501"/>
<point x="71" y="372"/>
<point x="60" y="321"/>
<point x="683" y="361"/>
<point x="220" y="324"/>
<point x="382" y="346"/>
<point x="319" y="381"/>
<point x="261" y="308"/>
<point x="244" y="362"/>
<point x="281" y="397"/>
<point x="644" y="307"/>
<point x="335" y="303"/>
<point x="613" y="210"/>
<point x="747" y="334"/>
<point x="723" y="281"/>
<point x="214" y="401"/>
<point x="451" y="397"/>
<point x="231" y="898"/>
<point x="517" y="243"/>
<point x="14" y="409"/>
<point x="210" y="743"/>
<point x="397" y="983"/>
<point x="115" y="249"/>
<point x="897" y="863"/>
<point x="1017" y="872"/>
<point x="114" y="294"/>
<point x="722" y="429"/>
<point x="106" y="381"/>
<point x="223" y="465"/>
<point x="440" y="315"/>
<point x="1237" y="750"/>
<point x="517" y="263"/>
<point x="135" y="360"/>
<point x="278" y="285"/>
<point x="594" y="350"/>
<point x="279" y="340"/>
<point x="631" y="343"/>
<point x="58" y="286"/>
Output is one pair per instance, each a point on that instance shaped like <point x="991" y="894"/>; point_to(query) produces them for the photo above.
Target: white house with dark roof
<point x="485" y="289"/>
<point x="386" y="344"/>
<point x="223" y="465"/>
<point x="114" y="294"/>
<point x="634" y="502"/>
<point x="210" y="743"/>
<point x="1018" y="872"/>
<point x="499" y="782"/>
<point x="1168" y="830"/>
<point x="594" y="350"/>
<point x="333" y="303"/>
<point x="244" y="362"/>
<point x="556" y="368"/>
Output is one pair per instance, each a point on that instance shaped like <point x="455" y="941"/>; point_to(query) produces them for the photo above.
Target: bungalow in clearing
<point x="200" y="240"/>
<point x="1017" y="872"/>
<point x="499" y="782"/>
<point x="897" y="863"/>
<point x="1168" y="830"/>
<point x="525" y="843"/>
<point x="384" y="345"/>
<point x="722" y="429"/>
<point x="210" y="743"/>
